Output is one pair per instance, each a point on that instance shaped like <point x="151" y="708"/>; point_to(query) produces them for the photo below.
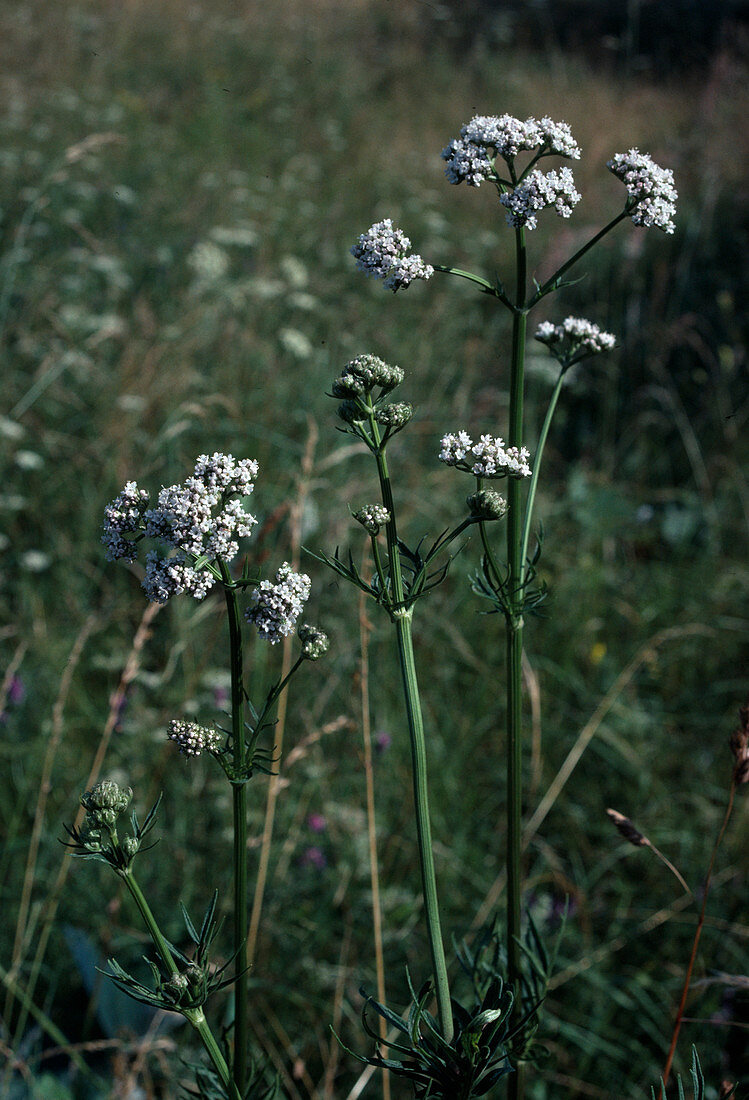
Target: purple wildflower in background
<point x="314" y="857"/>
<point x="317" y="823"/>
<point x="383" y="741"/>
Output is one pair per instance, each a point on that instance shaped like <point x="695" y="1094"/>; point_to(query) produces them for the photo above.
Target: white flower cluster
<point x="124" y="516"/>
<point x="649" y="186"/>
<point x="203" y="517"/>
<point x="468" y="157"/>
<point x="574" y="336"/>
<point x="383" y="251"/>
<point x="487" y="458"/>
<point x="537" y="191"/>
<point x="278" y="606"/>
<point x="192" y="739"/>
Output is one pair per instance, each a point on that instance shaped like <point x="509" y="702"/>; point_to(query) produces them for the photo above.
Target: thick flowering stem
<point x="514" y="656"/>
<point x="402" y="617"/>
<point x="194" y="1016"/>
<point x="241" y="917"/>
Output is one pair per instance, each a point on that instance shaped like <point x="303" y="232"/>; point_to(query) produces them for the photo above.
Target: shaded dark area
<point x="657" y="37"/>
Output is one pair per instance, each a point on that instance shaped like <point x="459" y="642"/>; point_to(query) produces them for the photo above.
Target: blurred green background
<point x="180" y="184"/>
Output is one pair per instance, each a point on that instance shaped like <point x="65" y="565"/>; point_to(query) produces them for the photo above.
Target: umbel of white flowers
<point x="384" y="251"/>
<point x="575" y="337"/>
<point x="488" y="458"/>
<point x="201" y="518"/>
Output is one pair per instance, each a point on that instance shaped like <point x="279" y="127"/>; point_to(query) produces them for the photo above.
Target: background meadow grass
<point x="180" y="186"/>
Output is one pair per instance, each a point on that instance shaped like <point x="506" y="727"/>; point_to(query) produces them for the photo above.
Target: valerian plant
<point x="506" y="153"/>
<point x="445" y="1048"/>
<point x="195" y="530"/>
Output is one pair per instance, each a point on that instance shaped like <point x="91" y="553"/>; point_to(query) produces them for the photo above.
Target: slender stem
<point x="534" y="476"/>
<point x="404" y="635"/>
<point x="197" y="1018"/>
<point x="514" y="656"/>
<point x="374" y="871"/>
<point x="150" y="921"/>
<point x="239" y="791"/>
<point x="483" y="283"/>
<point x="402" y="618"/>
<point x="194" y="1016"/>
<point x="549" y="284"/>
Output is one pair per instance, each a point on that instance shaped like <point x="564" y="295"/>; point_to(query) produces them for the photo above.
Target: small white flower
<point x="470" y="157"/>
<point x="29" y="460"/>
<point x="276" y="607"/>
<point x="537" y="191"/>
<point x="238" y="236"/>
<point x="202" y="517"/>
<point x="209" y="262"/>
<point x="651" y="190"/>
<point x="455" y="447"/>
<point x="296" y="343"/>
<point x="35" y="561"/>
<point x="487" y="458"/>
<point x="575" y="336"/>
<point x="383" y="252"/>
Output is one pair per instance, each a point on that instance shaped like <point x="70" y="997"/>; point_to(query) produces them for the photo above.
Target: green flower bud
<point x="373" y="372"/>
<point x="105" y="802"/>
<point x="314" y="642"/>
<point x="487" y="504"/>
<point x="173" y="988"/>
<point x="349" y="411"/>
<point x="394" y="416"/>
<point x="372" y="517"/>
<point x="130" y="846"/>
<point x="348" y="385"/>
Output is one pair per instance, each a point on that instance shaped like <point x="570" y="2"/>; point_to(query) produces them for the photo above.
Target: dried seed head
<point x="627" y="829"/>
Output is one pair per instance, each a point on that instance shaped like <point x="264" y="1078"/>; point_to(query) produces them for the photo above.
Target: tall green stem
<point x="402" y="618"/>
<point x="514" y="654"/>
<point x="194" y="1016"/>
<point x="535" y="475"/>
<point x="241" y="916"/>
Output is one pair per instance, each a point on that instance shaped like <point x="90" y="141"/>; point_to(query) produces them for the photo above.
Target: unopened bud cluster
<point x="357" y="384"/>
<point x="315" y="642"/>
<point x="192" y="739"/>
<point x="486" y="504"/>
<point x="372" y="517"/>
<point x="187" y="989"/>
<point x="105" y="802"/>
